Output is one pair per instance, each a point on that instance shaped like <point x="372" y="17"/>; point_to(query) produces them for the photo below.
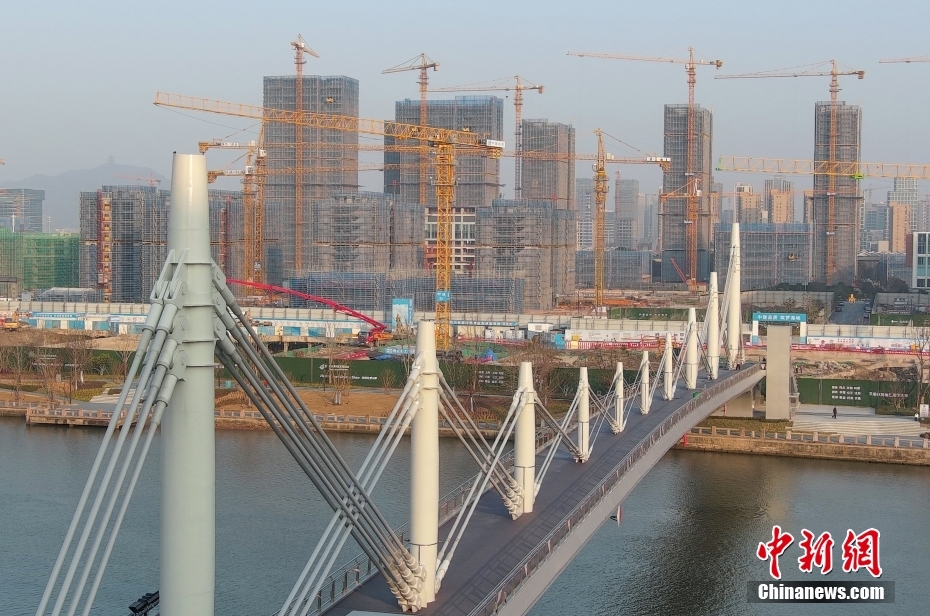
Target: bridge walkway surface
<point x="494" y="546"/>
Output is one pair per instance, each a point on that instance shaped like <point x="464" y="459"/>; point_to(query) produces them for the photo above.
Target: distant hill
<point x="62" y="190"/>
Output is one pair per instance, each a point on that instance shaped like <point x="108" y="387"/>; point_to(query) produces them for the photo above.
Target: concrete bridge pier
<point x="584" y="413"/>
<point x="424" y="463"/>
<point x="778" y="372"/>
<point x="524" y="447"/>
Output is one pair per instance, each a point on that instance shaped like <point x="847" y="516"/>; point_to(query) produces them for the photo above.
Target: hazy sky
<point x="79" y="77"/>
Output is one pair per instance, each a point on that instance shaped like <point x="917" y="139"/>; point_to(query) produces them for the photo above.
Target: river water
<point x="686" y="543"/>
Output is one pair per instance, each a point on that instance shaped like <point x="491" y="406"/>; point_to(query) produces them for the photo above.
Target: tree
<point x="388" y="379"/>
<point x="79" y="351"/>
<point x="125" y="347"/>
<point x="545" y="360"/>
<point x="920" y="349"/>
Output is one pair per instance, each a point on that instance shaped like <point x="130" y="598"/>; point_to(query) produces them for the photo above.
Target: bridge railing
<point x="551" y="542"/>
<point x="906" y="442"/>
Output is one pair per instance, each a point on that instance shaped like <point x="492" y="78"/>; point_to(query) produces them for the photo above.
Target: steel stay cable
<point x="371" y="476"/>
<point x="140" y="426"/>
<point x="150" y="359"/>
<point x="164" y="397"/>
<point x="463" y="434"/>
<point x="329" y="459"/>
<point x="151" y="321"/>
<point x="550" y="455"/>
<point x="482" y="464"/>
<point x="625" y="464"/>
<point x="475" y="433"/>
<point x="512" y="412"/>
<point x="560" y="429"/>
<point x="519" y="403"/>
<point x="321" y="577"/>
<point x="368" y="536"/>
<point x="279" y="426"/>
<point x="332" y="458"/>
<point x="144" y="340"/>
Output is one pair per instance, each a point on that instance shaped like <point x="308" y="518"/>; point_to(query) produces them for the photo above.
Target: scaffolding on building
<point x="770" y="254"/>
<point x="36" y="261"/>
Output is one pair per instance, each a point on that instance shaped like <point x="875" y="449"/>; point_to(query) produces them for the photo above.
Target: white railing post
<point x="734" y="312"/>
<point x="668" y="363"/>
<point x="424" y="464"/>
<point x="188" y="490"/>
<point x="645" y="393"/>
<point x="524" y="447"/>
<point x="691" y="351"/>
<point x="713" y="328"/>
<point x="584" y="412"/>
<point x="619" y="420"/>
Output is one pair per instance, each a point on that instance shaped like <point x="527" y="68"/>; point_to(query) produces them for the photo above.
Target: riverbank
<point x="912" y="451"/>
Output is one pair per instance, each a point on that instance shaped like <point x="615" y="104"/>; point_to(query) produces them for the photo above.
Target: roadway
<point x="852" y="314"/>
<point x="494" y="544"/>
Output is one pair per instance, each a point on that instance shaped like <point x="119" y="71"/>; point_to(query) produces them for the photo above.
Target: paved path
<point x="854" y="421"/>
<point x="493" y="543"/>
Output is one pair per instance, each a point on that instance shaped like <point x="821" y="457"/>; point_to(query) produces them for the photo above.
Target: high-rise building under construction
<point x="629" y="215"/>
<point x="672" y="227"/>
<point x="477" y="175"/>
<point x="328" y="160"/>
<point x="549" y="178"/>
<point x="843" y="231"/>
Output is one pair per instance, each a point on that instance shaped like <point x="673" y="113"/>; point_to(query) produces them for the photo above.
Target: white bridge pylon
<point x="194" y="317"/>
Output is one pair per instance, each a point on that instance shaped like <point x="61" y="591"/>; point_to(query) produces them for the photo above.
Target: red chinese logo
<point x="819" y="552"/>
<point x="773" y="549"/>
<point x="861" y="551"/>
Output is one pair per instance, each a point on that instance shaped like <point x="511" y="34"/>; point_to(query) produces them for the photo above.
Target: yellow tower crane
<point x="834" y="73"/>
<point x="425" y="63"/>
<point x="300" y="48"/>
<point x="518" y="86"/>
<point x="445" y="140"/>
<point x="691" y="191"/>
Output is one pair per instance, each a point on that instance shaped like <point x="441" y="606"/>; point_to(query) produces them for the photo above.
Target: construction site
<point x="33" y="261"/>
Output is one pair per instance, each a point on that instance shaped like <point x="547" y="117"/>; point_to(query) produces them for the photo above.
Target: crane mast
<point x="520" y="84"/>
<point x="831" y="164"/>
<point x="300" y="48"/>
<point x="600" y="214"/>
<point x="445" y="139"/>
<point x="692" y="188"/>
<point x="425" y="63"/>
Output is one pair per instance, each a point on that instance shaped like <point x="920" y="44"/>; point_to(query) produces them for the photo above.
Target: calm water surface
<point x="686" y="544"/>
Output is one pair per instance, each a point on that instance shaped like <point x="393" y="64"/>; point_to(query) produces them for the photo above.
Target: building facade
<point x="904" y="192"/>
<point x="21" y="209"/>
<point x="37" y="261"/>
<point x="549" y="178"/>
<point x="328" y="159"/>
<point x="769" y="254"/>
<point x="846" y="198"/>
<point x="584" y="213"/>
<point x="779" y="200"/>
<point x="672" y="216"/>
<point x="138" y="238"/>
<point x="628" y="214"/>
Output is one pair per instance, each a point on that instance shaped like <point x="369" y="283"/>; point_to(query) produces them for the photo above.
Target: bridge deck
<point x="493" y="544"/>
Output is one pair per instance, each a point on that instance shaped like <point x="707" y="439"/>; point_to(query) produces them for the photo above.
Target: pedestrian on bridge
<point x="834" y="412"/>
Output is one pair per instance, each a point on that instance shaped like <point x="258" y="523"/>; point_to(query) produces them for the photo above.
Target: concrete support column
<point x="691" y="351"/>
<point x="669" y="367"/>
<point x="619" y="397"/>
<point x="778" y="372"/>
<point x="584" y="413"/>
<point x="713" y="328"/>
<point x="524" y="446"/>
<point x="645" y="399"/>
<point x="734" y="310"/>
<point x="424" y="463"/>
<point x="188" y="461"/>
